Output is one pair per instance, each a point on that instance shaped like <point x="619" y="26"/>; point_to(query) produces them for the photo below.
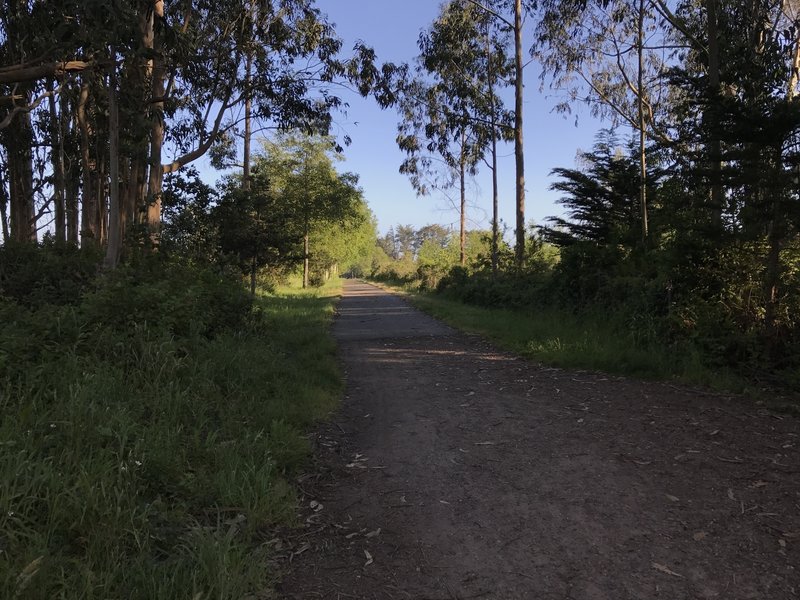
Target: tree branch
<point x="29" y="107"/>
<point x="678" y="23"/>
<point x="492" y="12"/>
<point x="204" y="146"/>
<point x="56" y="69"/>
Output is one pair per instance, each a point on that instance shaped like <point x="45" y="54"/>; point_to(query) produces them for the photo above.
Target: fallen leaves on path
<point x="665" y="569"/>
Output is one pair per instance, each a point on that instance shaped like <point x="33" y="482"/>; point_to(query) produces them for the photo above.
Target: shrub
<point x="49" y="273"/>
<point x="150" y="429"/>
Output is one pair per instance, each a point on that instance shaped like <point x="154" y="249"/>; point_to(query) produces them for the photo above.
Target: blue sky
<point x="551" y="139"/>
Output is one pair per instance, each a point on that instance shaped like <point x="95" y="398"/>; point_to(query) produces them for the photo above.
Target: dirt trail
<point x="455" y="470"/>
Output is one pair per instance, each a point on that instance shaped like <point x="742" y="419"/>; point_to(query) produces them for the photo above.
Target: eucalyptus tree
<point x="138" y="89"/>
<point x="441" y="147"/>
<point x="612" y="55"/>
<point x="729" y="119"/>
<point x="452" y="110"/>
<point x="511" y="14"/>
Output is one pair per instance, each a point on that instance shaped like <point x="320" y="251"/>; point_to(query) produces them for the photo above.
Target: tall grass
<point x="146" y="457"/>
<point x="563" y="339"/>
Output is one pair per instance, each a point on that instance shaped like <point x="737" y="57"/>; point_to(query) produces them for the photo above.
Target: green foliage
<point x="52" y="273"/>
<point x="189" y="228"/>
<point x="293" y="190"/>
<point x="422" y="257"/>
<point x="151" y="427"/>
<point x="188" y="301"/>
<point x="345" y="244"/>
<point x="588" y="341"/>
<point x="451" y="110"/>
<point x="602" y="198"/>
<point x="682" y="290"/>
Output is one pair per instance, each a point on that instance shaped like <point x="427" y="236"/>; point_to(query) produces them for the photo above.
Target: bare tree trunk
<point x="518" y="145"/>
<point x="59" y="179"/>
<point x="795" y="75"/>
<point x="642" y="126"/>
<point x="714" y="145"/>
<point x="115" y="224"/>
<point x="4" y="209"/>
<point x="134" y="213"/>
<point x="156" y="178"/>
<point x="71" y="171"/>
<point x="772" y="273"/>
<point x="248" y="107"/>
<point x="19" y="136"/>
<point x="20" y="170"/>
<point x="72" y="206"/>
<point x="305" y="260"/>
<point x="495" y="192"/>
<point x="102" y="187"/>
<point x="246" y="165"/>
<point x="462" y="239"/>
<point x="89" y="233"/>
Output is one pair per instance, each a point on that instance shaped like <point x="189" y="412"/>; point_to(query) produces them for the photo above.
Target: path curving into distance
<point x="455" y="471"/>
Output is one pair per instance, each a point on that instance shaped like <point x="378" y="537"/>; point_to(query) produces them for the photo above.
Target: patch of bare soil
<point x="454" y="470"/>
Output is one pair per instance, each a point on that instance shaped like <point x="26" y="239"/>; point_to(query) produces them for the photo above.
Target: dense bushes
<point x="151" y="423"/>
<point x="711" y="308"/>
<point x="52" y="274"/>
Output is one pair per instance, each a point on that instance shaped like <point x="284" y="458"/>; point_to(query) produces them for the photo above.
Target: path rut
<point x="455" y="470"/>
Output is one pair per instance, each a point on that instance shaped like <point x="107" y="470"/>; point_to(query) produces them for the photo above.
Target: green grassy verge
<point x="149" y="458"/>
<point x="562" y="339"/>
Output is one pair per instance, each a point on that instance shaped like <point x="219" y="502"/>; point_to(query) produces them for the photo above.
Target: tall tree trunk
<point x="305" y="260"/>
<point x="59" y="178"/>
<point x="248" y="132"/>
<point x="71" y="202"/>
<point x="19" y="136"/>
<point x="518" y="145"/>
<point x="134" y="211"/>
<point x="102" y="187"/>
<point x="794" y="78"/>
<point x="71" y="172"/>
<point x="642" y="125"/>
<point x="114" y="249"/>
<point x="89" y="232"/>
<point x="493" y="124"/>
<point x="156" y="178"/>
<point x="4" y="209"/>
<point x="20" y="170"/>
<point x="773" y="269"/>
<point x="462" y="239"/>
<point x="714" y="144"/>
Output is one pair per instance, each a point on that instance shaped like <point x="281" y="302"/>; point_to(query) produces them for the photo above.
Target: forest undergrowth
<point x="153" y="418"/>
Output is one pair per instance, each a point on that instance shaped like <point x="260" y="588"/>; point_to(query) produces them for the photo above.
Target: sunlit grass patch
<point x="564" y="339"/>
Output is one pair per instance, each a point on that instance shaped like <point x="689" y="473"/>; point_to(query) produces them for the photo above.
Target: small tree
<point x="301" y="175"/>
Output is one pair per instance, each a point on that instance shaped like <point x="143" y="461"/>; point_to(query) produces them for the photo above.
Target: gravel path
<point x="454" y="470"/>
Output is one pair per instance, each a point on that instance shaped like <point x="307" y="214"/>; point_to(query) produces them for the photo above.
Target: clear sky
<point x="551" y="140"/>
